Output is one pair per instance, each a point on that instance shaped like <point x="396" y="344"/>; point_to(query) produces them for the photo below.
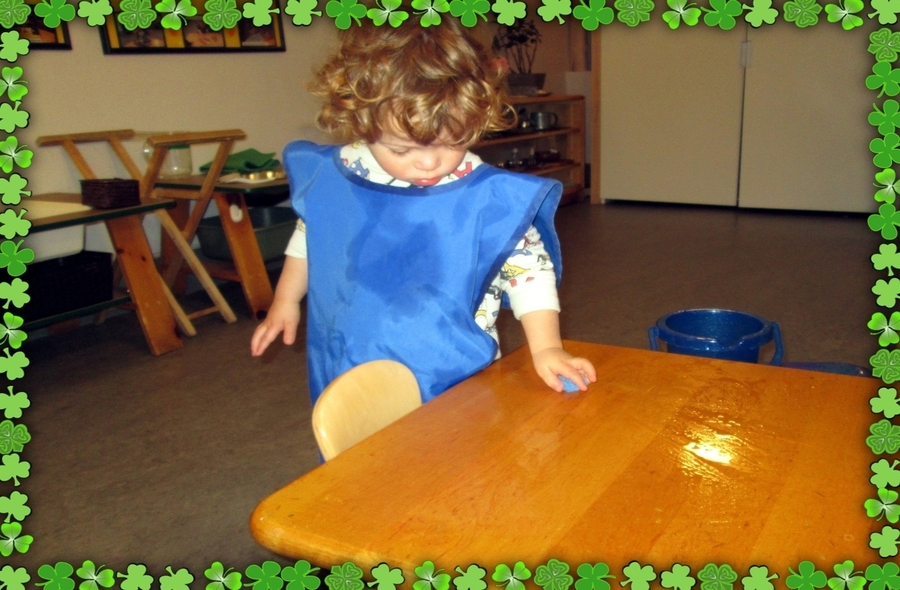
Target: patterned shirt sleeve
<point x="528" y="277"/>
<point x="296" y="247"/>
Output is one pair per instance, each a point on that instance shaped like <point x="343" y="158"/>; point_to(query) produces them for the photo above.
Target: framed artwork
<point x="195" y="36"/>
<point x="41" y="36"/>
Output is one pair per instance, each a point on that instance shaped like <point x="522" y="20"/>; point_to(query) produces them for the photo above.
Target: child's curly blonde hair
<point x="428" y="84"/>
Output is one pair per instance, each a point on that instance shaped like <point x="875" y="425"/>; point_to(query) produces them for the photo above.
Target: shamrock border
<point x="554" y="575"/>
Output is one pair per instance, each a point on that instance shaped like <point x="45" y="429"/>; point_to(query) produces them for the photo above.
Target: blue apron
<point x="398" y="273"/>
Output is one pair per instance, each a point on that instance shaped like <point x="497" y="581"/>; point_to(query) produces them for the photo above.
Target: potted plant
<point x="519" y="43"/>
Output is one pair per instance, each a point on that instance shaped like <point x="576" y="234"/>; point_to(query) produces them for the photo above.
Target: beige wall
<point x="262" y="93"/>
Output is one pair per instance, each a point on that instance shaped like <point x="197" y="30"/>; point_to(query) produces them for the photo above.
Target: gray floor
<point x="160" y="460"/>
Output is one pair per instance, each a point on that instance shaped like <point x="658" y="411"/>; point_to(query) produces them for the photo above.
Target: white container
<point x="55" y="243"/>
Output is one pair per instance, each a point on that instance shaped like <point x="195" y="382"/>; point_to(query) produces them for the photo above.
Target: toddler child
<point x="407" y="242"/>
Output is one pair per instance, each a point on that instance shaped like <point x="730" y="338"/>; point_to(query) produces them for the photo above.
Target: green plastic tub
<point x="273" y="227"/>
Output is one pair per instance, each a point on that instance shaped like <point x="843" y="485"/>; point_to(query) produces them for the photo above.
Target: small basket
<point x="110" y="193"/>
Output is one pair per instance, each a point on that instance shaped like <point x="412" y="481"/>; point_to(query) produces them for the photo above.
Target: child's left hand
<point x="550" y="363"/>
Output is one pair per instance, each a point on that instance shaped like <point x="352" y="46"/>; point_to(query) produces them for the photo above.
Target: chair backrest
<point x="361" y="402"/>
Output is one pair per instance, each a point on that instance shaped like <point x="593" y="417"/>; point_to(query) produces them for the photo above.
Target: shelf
<point x="518" y="137"/>
<point x="76" y="313"/>
<point x="519" y="100"/>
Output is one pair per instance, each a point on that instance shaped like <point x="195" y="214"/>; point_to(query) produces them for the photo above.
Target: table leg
<point x="245" y="252"/>
<point x="177" y="279"/>
<point x="144" y="283"/>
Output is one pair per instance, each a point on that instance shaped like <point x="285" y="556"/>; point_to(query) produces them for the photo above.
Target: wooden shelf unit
<point x="567" y="138"/>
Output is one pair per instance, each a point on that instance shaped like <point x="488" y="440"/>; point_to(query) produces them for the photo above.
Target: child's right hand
<point x="282" y="317"/>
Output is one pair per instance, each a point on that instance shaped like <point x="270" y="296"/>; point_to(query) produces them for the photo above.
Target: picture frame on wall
<point x="40" y="36"/>
<point x="195" y="36"/>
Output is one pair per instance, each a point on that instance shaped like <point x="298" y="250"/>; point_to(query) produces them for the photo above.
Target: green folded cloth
<point x="245" y="161"/>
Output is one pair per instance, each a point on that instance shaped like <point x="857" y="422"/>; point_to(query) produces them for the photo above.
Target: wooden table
<point x="248" y="267"/>
<point x="144" y="284"/>
<point x="667" y="459"/>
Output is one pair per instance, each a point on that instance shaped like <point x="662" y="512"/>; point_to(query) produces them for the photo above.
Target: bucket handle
<point x="653" y="335"/>
<point x="779" y="346"/>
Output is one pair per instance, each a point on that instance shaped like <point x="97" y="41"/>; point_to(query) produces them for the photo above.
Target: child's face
<point x="421" y="165"/>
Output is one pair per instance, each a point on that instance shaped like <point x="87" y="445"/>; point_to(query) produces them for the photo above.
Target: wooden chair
<point x="361" y="402"/>
<point x="114" y="138"/>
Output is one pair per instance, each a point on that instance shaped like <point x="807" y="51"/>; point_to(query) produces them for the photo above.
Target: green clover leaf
<point x="429" y="11"/>
<point x="885" y="77"/>
<point x="808" y="577"/>
<point x="883" y="506"/>
<point x="12" y="155"/>
<point x="12" y="404"/>
<point x="885" y="365"/>
<point x="136" y="14"/>
<point x="54" y="12"/>
<point x="712" y="577"/>
<point x="13" y="468"/>
<point x="14" y="507"/>
<point x="468" y="11"/>
<point x="385" y="577"/>
<point x="553" y="575"/>
<point x="759" y="579"/>
<point x="11" y="85"/>
<point x="260" y="11"/>
<point x="12" y="47"/>
<point x="512" y="578"/>
<point x="639" y="577"/>
<point x="888" y="120"/>
<point x="554" y="9"/>
<point x="633" y="12"/>
<point x="136" y="578"/>
<point x="887" y="291"/>
<point x="679" y="578"/>
<point x="95" y="11"/>
<point x="13" y="578"/>
<point x="885" y="541"/>
<point x="845" y="13"/>
<point x="11" y="332"/>
<point x="94" y="577"/>
<point x="885" y="221"/>
<point x="222" y="579"/>
<point x="267" y="576"/>
<point x="388" y="11"/>
<point x="15" y="293"/>
<point x="885" y="402"/>
<point x="682" y="11"/>
<point x="13" y="259"/>
<point x="471" y="579"/>
<point x="301" y="576"/>
<point x="887" y="258"/>
<point x="176" y="13"/>
<point x="223" y="14"/>
<point x="11" y="118"/>
<point x="13" y="539"/>
<point x="345" y="577"/>
<point x="13" y="12"/>
<point x="430" y="578"/>
<point x="508" y="11"/>
<point x="884" y="45"/>
<point x="885" y="437"/>
<point x="179" y="580"/>
<point x="883" y="578"/>
<point x="12" y="189"/>
<point x="594" y="14"/>
<point x="761" y="12"/>
<point x="593" y="577"/>
<point x="888" y="185"/>
<point x="885" y="474"/>
<point x="345" y="12"/>
<point x="12" y="224"/>
<point x="302" y="11"/>
<point x="803" y="13"/>
<point x="13" y="437"/>
<point x="58" y="577"/>
<point x="886" y="329"/>
<point x="886" y="10"/>
<point x="723" y="14"/>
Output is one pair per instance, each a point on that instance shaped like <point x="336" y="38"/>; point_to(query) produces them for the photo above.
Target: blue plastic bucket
<point x="717" y="333"/>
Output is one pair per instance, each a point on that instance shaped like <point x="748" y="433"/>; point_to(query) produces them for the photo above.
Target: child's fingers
<point x="586" y="367"/>
<point x="262" y="338"/>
